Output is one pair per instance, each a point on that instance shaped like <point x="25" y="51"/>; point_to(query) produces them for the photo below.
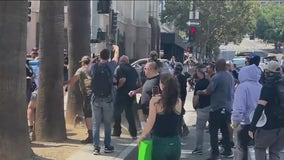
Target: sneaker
<point x="134" y="137"/>
<point x="96" y="151"/>
<point x="197" y="151"/>
<point x="109" y="149"/>
<point x="87" y="140"/>
<point x="227" y="154"/>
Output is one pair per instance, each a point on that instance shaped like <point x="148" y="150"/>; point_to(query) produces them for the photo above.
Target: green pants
<point x="168" y="148"/>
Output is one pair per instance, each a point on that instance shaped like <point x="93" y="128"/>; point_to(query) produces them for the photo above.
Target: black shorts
<point x="145" y="109"/>
<point x="87" y="108"/>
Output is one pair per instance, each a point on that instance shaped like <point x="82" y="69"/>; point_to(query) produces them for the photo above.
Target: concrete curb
<point x="127" y="151"/>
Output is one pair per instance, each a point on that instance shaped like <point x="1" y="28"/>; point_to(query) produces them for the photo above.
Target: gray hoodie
<point x="246" y="95"/>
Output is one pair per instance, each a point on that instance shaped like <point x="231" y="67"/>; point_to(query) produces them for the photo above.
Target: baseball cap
<point x="273" y="66"/>
<point x="85" y="59"/>
<point x="254" y="59"/>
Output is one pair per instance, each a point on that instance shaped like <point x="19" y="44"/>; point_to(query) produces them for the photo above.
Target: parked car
<point x="239" y="61"/>
<point x="139" y="64"/>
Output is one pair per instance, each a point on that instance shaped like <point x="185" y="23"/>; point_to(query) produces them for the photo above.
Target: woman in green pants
<point x="164" y="120"/>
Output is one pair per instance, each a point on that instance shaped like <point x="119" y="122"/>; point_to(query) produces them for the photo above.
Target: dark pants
<point x="126" y="105"/>
<point x="244" y="141"/>
<point x="166" y="148"/>
<point x="272" y="139"/>
<point x="219" y="120"/>
<point x="87" y="108"/>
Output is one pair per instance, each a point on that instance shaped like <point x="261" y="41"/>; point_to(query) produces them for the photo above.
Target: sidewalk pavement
<point x="126" y="148"/>
<point x="123" y="146"/>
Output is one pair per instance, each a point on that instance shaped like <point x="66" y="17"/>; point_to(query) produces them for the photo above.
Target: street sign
<point x="193" y="23"/>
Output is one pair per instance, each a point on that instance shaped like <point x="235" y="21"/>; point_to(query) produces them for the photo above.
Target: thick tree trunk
<point x="79" y="45"/>
<point x="14" y="141"/>
<point x="50" y="122"/>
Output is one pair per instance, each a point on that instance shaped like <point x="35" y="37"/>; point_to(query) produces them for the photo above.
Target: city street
<point x="228" y="51"/>
<point x="188" y="143"/>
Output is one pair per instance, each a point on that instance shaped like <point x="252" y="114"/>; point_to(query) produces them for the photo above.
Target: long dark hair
<point x="170" y="92"/>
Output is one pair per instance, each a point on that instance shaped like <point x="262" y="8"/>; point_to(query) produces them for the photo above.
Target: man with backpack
<point x="271" y="101"/>
<point x="101" y="74"/>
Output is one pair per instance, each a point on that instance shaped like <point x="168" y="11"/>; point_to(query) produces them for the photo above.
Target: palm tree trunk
<point x="14" y="141"/>
<point x="78" y="45"/>
<point x="50" y="122"/>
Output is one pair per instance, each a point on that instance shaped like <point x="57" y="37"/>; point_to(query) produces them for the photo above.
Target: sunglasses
<point x="145" y="68"/>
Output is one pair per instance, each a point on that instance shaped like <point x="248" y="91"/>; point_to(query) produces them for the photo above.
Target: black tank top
<point x="167" y="125"/>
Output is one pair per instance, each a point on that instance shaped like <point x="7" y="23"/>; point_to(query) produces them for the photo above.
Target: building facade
<point x="135" y="29"/>
<point x="137" y="33"/>
<point x="33" y="26"/>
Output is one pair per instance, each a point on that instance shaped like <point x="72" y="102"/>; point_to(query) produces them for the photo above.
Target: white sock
<point x="142" y="124"/>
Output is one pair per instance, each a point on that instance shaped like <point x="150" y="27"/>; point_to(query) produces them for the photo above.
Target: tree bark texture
<point x="78" y="45"/>
<point x="50" y="122"/>
<point x="14" y="141"/>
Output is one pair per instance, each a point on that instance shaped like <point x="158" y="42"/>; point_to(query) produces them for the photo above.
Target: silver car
<point x="139" y="64"/>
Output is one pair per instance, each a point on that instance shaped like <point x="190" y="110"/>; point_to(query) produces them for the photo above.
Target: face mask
<point x="272" y="77"/>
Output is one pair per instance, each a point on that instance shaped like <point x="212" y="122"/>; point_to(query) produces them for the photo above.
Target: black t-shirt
<point x="182" y="84"/>
<point x="128" y="72"/>
<point x="268" y="93"/>
<point x="235" y="74"/>
<point x="204" y="100"/>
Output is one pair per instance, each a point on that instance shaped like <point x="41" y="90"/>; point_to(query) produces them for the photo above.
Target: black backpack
<point x="102" y="80"/>
<point x="279" y="99"/>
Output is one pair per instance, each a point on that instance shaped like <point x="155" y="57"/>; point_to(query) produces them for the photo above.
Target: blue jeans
<point x="102" y="107"/>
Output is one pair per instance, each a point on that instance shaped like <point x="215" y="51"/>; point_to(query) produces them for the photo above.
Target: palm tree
<point x="14" y="143"/>
<point x="78" y="45"/>
<point x="50" y="122"/>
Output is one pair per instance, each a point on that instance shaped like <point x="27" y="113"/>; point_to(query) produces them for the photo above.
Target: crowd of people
<point x="243" y="100"/>
<point x="226" y="97"/>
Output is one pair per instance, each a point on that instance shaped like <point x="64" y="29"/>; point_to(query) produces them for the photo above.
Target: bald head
<point x="123" y="60"/>
<point x="221" y="65"/>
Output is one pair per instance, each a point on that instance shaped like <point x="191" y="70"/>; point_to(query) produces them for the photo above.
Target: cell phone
<point x="155" y="90"/>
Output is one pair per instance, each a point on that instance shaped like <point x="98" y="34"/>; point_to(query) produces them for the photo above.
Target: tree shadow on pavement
<point x="72" y="141"/>
<point x="68" y="142"/>
<point x="36" y="157"/>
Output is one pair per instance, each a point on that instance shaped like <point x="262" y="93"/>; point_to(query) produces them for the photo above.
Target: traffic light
<point x="101" y="36"/>
<point x="114" y="22"/>
<point x="191" y="34"/>
<point x="103" y="6"/>
<point x="29" y="11"/>
<point x="188" y="49"/>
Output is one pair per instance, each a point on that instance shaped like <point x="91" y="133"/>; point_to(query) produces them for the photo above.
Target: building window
<point x="37" y="35"/>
